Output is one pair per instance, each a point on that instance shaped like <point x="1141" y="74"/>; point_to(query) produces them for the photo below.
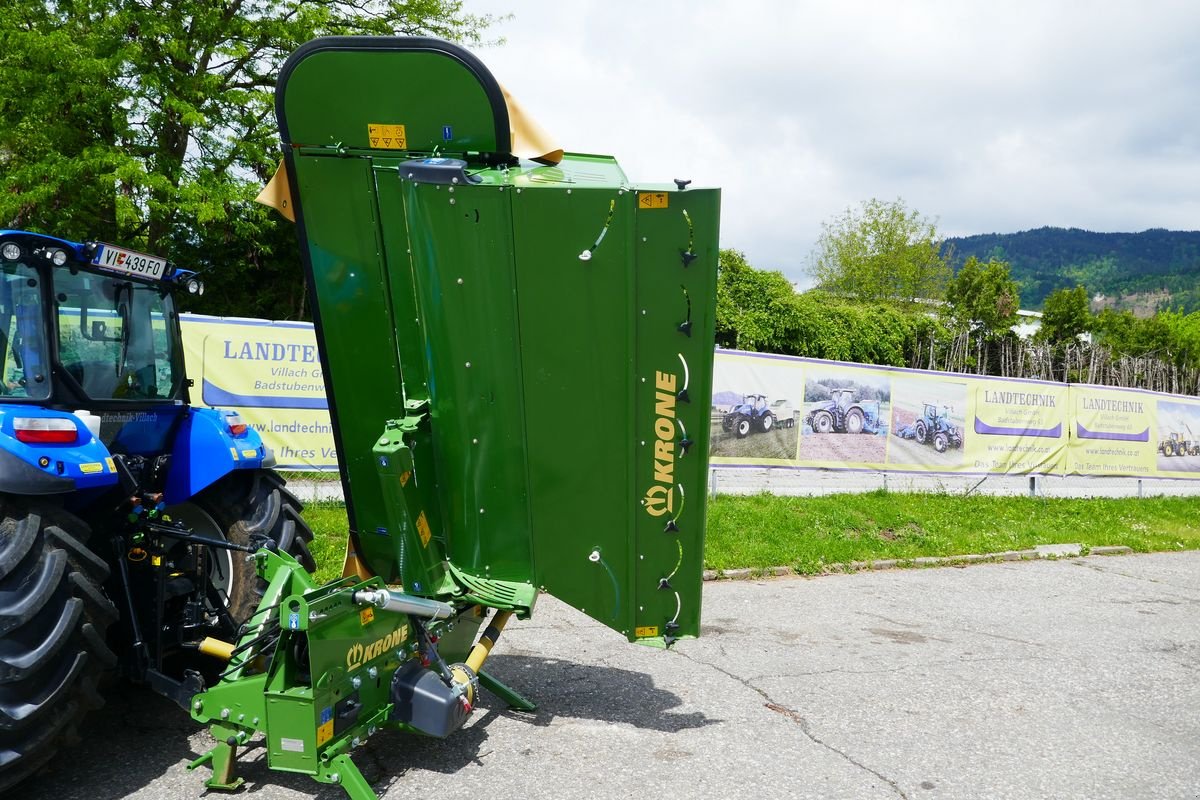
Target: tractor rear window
<point x="23" y="357"/>
<point x="114" y="337"/>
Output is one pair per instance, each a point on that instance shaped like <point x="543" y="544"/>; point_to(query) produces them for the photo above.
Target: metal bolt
<point x="383" y="440"/>
<point x="356" y="682"/>
<point x="460" y="281"/>
<point x="335" y="777"/>
<point x="468" y="365"/>
<point x="355" y="742"/>
<point x="474" y="441"/>
<point x="643" y="442"/>
<point x="197" y="705"/>
<point x="254" y="721"/>
<point x="481" y="511"/>
<point x="568" y="191"/>
<point x="224" y="713"/>
<point x="453" y="180"/>
<point x="373" y="672"/>
<point x="452" y="201"/>
<point x="371" y="730"/>
<point x="241" y="717"/>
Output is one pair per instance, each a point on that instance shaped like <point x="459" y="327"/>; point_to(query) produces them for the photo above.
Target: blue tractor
<point x="934" y="428"/>
<point x="752" y="414"/>
<point x="842" y="413"/>
<point x="126" y="514"/>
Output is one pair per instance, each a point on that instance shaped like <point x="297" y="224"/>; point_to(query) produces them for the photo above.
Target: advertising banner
<point x="772" y="411"/>
<point x="1112" y="431"/>
<point x="780" y="411"/>
<point x="270" y="373"/>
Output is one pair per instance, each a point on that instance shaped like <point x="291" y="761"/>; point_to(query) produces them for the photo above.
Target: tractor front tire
<point x="245" y="507"/>
<point x="741" y="428"/>
<point x="53" y="619"/>
<point x="822" y="422"/>
<point x="940" y="441"/>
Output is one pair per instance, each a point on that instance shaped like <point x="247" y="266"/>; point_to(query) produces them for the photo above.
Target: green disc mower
<point x="518" y="360"/>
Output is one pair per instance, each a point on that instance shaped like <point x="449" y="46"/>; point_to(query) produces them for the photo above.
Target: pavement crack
<point x="798" y="718"/>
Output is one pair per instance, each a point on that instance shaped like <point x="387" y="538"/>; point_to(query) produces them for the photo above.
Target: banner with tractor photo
<point x="780" y="411"/>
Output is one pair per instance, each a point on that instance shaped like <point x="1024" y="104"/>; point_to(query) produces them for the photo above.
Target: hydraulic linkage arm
<point x="319" y="669"/>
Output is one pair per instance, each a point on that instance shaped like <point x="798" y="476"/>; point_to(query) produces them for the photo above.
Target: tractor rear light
<point x="236" y="426"/>
<point x="45" y="430"/>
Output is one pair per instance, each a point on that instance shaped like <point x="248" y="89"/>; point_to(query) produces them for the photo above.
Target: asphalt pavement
<point x="1075" y="678"/>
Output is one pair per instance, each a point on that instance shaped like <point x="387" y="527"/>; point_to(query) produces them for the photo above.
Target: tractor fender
<point x="206" y="449"/>
<point x="59" y="468"/>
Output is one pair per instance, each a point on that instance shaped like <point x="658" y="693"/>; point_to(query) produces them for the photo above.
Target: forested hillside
<point x="1139" y="271"/>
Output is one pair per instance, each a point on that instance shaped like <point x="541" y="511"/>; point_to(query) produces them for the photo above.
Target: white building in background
<point x="1028" y="323"/>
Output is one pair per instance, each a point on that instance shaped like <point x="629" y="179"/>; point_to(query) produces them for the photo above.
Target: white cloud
<point x="988" y="117"/>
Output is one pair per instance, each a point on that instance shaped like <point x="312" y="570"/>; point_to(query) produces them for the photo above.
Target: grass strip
<point x="809" y="534"/>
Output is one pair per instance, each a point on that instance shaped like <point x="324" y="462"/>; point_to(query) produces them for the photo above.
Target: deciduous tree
<point x="984" y="297"/>
<point x="881" y="251"/>
<point x="151" y="123"/>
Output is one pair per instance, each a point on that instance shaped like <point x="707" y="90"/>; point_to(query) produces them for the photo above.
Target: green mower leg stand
<point x="342" y="771"/>
<point x="222" y="757"/>
<point x="509" y="695"/>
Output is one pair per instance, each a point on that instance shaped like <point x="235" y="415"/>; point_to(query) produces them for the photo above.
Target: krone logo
<point x="358" y="655"/>
<point x="659" y="500"/>
<point x="660" y="497"/>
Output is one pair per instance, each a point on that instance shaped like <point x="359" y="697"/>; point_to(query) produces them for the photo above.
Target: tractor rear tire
<point x="920" y="432"/>
<point x="250" y="505"/>
<point x="53" y="619"/>
<point x="854" y="421"/>
<point x="765" y="424"/>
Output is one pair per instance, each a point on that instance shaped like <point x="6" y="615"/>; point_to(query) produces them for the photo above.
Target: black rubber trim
<point x="21" y="477"/>
<point x="419" y="43"/>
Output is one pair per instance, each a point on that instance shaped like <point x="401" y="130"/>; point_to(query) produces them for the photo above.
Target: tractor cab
<point x="87" y="326"/>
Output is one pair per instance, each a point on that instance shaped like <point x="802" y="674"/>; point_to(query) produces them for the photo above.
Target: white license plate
<point x="130" y="262"/>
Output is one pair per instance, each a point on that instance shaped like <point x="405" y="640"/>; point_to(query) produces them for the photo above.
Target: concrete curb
<point x="1039" y="552"/>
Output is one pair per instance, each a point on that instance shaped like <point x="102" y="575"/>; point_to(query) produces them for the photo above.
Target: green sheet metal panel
<point x="462" y="265"/>
<point x="577" y="351"/>
<point x="676" y="257"/>
<point x="350" y="303"/>
<point x="343" y="90"/>
<point x="550" y="451"/>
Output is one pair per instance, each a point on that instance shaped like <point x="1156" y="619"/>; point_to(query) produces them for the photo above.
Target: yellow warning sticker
<point x="366" y="616"/>
<point x="652" y="199"/>
<point x="646" y="631"/>
<point x="112" y="467"/>
<point x="233" y="452"/>
<point x="404" y="476"/>
<point x="92" y="468"/>
<point x="249" y="453"/>
<point x="324" y="733"/>
<point x="387" y="137"/>
<point x="423" y="529"/>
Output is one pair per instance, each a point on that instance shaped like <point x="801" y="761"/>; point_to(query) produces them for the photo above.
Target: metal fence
<point x="811" y="482"/>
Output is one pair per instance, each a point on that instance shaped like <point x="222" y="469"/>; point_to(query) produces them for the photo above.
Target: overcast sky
<point x="988" y="117"/>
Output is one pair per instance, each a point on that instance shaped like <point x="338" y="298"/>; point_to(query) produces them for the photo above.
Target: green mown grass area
<point x="813" y="534"/>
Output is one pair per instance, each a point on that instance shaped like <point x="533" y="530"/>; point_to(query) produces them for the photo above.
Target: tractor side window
<point x="23" y="356"/>
<point x="114" y="337"/>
